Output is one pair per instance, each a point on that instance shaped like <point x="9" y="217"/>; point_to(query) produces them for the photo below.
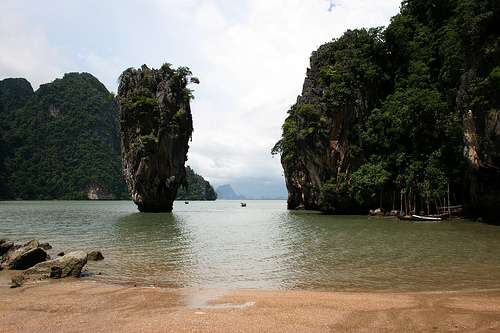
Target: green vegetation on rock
<point x="391" y="111"/>
<point x="156" y="126"/>
<point x="60" y="142"/>
<point x="198" y="188"/>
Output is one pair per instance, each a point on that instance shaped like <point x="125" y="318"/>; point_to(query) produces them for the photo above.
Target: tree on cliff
<point x="386" y="112"/>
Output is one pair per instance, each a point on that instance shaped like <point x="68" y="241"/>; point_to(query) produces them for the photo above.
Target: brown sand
<point x="73" y="305"/>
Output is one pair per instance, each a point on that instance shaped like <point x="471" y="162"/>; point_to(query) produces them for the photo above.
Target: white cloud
<point x="101" y="66"/>
<point x="26" y="51"/>
<point x="209" y="18"/>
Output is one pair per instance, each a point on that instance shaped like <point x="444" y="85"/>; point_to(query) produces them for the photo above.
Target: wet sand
<point x="76" y="305"/>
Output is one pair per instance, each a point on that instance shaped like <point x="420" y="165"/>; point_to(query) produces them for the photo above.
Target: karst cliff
<point x="321" y="141"/>
<point x="156" y="126"/>
<point x="404" y="118"/>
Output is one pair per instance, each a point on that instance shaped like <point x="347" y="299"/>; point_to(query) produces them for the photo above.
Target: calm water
<point x="222" y="245"/>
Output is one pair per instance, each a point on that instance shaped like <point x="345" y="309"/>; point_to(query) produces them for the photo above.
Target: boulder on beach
<point x="17" y="281"/>
<point x="95" y="256"/>
<point x="70" y="264"/>
<point x="19" y="257"/>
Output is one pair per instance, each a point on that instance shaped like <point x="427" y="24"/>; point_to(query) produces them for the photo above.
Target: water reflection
<point x="152" y="249"/>
<point x="222" y="245"/>
<point x="355" y="253"/>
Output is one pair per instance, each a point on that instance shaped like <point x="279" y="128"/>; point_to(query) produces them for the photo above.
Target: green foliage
<point x="410" y="85"/>
<point x="315" y="122"/>
<point x="286" y="146"/>
<point x="198" y="188"/>
<point x="368" y="180"/>
<point x="140" y="110"/>
<point x="354" y="65"/>
<point x="335" y="186"/>
<point x="139" y="104"/>
<point x="64" y="141"/>
<point x="181" y="78"/>
<point x="485" y="90"/>
<point x="14" y="94"/>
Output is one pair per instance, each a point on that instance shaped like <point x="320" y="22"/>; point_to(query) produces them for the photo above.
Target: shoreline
<point x="75" y="305"/>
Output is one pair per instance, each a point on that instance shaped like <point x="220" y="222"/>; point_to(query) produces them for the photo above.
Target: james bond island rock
<point x="156" y="125"/>
<point x="405" y="118"/>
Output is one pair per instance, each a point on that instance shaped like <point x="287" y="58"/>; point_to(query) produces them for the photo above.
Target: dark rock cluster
<point x="32" y="259"/>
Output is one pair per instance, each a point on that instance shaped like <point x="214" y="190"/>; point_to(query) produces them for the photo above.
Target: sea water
<point x="220" y="244"/>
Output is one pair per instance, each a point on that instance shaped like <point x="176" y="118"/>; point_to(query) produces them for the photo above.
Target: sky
<point x="250" y="56"/>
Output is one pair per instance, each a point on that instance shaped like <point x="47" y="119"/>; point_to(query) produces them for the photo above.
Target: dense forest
<point x="63" y="142"/>
<point x="404" y="117"/>
<point x="198" y="188"/>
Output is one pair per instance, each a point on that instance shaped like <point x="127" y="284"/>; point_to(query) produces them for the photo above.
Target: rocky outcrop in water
<point x="156" y="125"/>
<point x="60" y="142"/>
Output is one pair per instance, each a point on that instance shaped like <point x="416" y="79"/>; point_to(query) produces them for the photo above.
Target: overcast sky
<point x="251" y="58"/>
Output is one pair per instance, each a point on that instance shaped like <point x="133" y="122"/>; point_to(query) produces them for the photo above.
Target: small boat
<point x="243" y="204"/>
<point x="186" y="202"/>
<point x="426" y="218"/>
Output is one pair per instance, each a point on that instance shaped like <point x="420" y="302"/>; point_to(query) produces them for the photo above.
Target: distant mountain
<point x="198" y="188"/>
<point x="225" y="192"/>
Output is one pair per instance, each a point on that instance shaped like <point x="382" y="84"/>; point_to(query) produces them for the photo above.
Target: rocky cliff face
<point x="156" y="125"/>
<point x="482" y="151"/>
<point x="319" y="134"/>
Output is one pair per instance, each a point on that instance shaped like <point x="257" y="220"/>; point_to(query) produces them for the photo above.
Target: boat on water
<point x="243" y="204"/>
<point x="432" y="218"/>
<point x="426" y="218"/>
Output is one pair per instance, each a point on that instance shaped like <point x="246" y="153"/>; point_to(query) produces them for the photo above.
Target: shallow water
<point x="222" y="245"/>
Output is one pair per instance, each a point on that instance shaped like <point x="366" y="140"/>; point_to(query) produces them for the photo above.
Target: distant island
<point x="198" y="188"/>
<point x="225" y="192"/>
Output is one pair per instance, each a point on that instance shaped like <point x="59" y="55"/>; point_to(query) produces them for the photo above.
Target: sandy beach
<point x="76" y="305"/>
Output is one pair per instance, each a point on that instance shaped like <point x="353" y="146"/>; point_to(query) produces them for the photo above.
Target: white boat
<point x="426" y="218"/>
